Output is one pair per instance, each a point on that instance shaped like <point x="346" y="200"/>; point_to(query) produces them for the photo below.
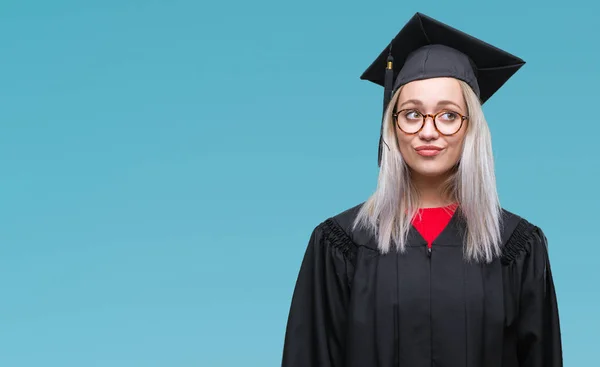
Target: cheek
<point x="455" y="148"/>
<point x="404" y="144"/>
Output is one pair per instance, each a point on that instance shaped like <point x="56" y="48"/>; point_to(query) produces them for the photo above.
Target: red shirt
<point x="430" y="222"/>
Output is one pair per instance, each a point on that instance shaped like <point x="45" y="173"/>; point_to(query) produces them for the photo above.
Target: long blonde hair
<point x="472" y="184"/>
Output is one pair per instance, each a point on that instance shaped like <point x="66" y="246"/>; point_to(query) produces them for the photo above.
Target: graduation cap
<point x="426" y="48"/>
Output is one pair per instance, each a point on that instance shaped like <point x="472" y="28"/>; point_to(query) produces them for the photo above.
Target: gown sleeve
<point x="537" y="324"/>
<point x="315" y="331"/>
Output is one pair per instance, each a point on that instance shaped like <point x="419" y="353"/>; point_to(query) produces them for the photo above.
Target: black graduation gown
<point x="353" y="306"/>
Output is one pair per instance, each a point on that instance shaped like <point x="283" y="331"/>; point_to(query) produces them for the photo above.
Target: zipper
<point x="429" y="246"/>
<point x="397" y="316"/>
<point x="396" y="336"/>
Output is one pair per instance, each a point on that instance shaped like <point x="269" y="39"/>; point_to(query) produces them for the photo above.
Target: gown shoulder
<point x="338" y="232"/>
<point x="524" y="241"/>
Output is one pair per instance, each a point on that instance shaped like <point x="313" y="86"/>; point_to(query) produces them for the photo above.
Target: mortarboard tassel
<point x="387" y="94"/>
<point x="389" y="80"/>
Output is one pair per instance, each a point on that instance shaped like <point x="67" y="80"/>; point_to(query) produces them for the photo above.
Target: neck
<point x="430" y="190"/>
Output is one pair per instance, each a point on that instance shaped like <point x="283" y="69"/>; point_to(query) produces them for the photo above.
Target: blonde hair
<point x="472" y="184"/>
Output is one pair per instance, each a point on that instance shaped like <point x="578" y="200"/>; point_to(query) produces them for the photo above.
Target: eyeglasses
<point x="446" y="122"/>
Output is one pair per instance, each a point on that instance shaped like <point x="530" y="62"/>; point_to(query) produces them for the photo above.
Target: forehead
<point x="430" y="91"/>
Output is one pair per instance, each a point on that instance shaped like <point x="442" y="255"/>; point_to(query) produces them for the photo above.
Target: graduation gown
<point x="353" y="306"/>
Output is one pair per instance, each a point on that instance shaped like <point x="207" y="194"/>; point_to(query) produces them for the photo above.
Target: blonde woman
<point x="430" y="270"/>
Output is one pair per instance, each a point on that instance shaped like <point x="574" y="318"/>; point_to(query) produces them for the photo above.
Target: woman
<point x="430" y="270"/>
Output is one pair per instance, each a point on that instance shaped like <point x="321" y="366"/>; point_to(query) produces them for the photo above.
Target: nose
<point x="428" y="132"/>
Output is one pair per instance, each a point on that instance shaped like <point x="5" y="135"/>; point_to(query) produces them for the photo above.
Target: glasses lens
<point x="410" y="121"/>
<point x="448" y="122"/>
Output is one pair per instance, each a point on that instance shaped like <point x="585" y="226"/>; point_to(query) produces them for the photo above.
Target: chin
<point x="431" y="173"/>
<point x="430" y="170"/>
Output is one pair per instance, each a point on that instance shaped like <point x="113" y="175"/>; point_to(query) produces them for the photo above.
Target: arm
<point x="315" y="330"/>
<point x="539" y="337"/>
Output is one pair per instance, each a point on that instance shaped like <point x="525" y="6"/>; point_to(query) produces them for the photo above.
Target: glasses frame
<point x="433" y="118"/>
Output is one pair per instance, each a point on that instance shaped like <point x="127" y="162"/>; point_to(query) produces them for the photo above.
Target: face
<point x="428" y="153"/>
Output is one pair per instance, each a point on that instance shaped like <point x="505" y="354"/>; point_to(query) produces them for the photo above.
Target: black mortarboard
<point x="426" y="48"/>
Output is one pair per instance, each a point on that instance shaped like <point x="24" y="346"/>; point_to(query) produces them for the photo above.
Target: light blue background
<point x="162" y="164"/>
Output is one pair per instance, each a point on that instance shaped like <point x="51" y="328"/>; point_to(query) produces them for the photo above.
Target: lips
<point x="428" y="150"/>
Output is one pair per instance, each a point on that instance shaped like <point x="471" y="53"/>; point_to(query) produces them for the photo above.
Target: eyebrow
<point x="419" y="103"/>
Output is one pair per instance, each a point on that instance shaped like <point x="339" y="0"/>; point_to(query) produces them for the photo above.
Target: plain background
<point x="162" y="164"/>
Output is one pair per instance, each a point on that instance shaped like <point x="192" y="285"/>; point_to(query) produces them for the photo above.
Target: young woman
<point x="430" y="270"/>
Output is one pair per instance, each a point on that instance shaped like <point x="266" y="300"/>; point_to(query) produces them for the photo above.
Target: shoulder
<point x="345" y="219"/>
<point x="338" y="230"/>
<point x="523" y="240"/>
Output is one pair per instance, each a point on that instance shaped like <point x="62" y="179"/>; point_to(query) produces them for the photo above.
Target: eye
<point x="448" y="116"/>
<point x="412" y="115"/>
